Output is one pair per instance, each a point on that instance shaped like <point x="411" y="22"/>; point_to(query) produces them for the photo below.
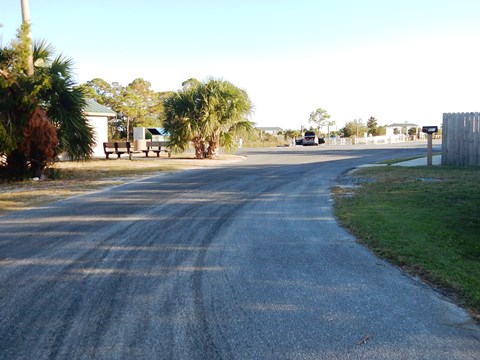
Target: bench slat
<point x="118" y="147"/>
<point x="156" y="147"/>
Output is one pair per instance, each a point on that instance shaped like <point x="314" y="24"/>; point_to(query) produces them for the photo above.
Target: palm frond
<point x="42" y="50"/>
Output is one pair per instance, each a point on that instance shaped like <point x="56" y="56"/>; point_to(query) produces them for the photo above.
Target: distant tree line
<point x="355" y="127"/>
<point x="136" y="105"/>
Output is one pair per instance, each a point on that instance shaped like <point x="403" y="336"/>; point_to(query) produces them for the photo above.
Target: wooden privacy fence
<point x="461" y="139"/>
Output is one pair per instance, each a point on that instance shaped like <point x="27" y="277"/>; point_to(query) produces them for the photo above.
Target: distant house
<point x="401" y="127"/>
<point x="97" y="117"/>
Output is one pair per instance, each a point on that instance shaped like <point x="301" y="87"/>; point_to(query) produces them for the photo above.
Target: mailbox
<point x="430" y="129"/>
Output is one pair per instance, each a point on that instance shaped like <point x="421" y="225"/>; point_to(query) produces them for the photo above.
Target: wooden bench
<point x="157" y="147"/>
<point x="118" y="148"/>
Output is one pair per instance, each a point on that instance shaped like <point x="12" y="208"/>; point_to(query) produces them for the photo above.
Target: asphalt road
<point x="242" y="261"/>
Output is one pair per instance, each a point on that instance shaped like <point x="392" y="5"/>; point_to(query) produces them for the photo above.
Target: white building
<point x="97" y="117"/>
<point x="401" y="127"/>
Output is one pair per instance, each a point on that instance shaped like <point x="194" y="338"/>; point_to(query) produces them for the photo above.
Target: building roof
<point x="270" y="128"/>
<point x="92" y="108"/>
<point x="405" y="124"/>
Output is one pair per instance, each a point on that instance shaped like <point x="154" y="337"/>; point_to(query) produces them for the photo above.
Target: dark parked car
<point x="310" y="138"/>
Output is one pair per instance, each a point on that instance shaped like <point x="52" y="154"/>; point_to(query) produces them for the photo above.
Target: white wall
<point x="389" y="131"/>
<point x="100" y="131"/>
<point x="139" y="133"/>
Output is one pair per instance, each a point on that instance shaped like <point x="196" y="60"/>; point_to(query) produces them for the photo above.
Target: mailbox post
<point x="429" y="130"/>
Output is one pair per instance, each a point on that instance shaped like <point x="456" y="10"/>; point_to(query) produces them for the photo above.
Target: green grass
<point x="424" y="219"/>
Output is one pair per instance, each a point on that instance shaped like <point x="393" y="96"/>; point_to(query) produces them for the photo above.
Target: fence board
<point x="461" y="139"/>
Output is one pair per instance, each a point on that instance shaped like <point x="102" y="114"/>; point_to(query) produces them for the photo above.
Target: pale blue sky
<point x="394" y="60"/>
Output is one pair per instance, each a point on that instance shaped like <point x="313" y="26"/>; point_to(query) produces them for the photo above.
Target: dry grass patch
<point x="27" y="195"/>
<point x="69" y="179"/>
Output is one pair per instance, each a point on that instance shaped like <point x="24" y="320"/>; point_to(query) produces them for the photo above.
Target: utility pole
<point x="26" y="19"/>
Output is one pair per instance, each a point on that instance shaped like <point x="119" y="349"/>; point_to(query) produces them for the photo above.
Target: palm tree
<point x="182" y="114"/>
<point x="64" y="102"/>
<point x="229" y="106"/>
<point x="51" y="88"/>
<point x="206" y="114"/>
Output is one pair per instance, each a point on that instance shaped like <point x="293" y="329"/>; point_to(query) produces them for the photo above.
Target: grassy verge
<point x="424" y="219"/>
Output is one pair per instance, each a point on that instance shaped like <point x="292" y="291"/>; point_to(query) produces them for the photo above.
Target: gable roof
<point x="270" y="128"/>
<point x="405" y="124"/>
<point x="92" y="108"/>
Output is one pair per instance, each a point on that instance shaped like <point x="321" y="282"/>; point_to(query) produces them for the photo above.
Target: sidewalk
<point x="436" y="160"/>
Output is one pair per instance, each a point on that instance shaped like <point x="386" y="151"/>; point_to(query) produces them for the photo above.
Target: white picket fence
<point x="461" y="139"/>
<point x="369" y="140"/>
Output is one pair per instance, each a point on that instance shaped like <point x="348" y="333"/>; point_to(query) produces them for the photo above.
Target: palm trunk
<point x="213" y="145"/>
<point x="26" y="19"/>
<point x="199" y="146"/>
